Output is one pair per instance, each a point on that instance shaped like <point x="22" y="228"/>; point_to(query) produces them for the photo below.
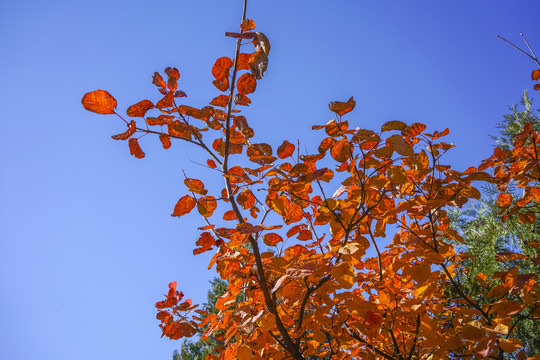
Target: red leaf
<point x="535" y="74"/>
<point x="211" y="164"/>
<point x="132" y="128"/>
<point x="99" y="101"/>
<point x="167" y="101"/>
<point x="246" y="84"/>
<point x="242" y="100"/>
<point x="536" y="86"/>
<point x="229" y="215"/>
<point x="158" y="80"/>
<point x="243" y="61"/>
<point x="222" y="84"/>
<point x="165" y="140"/>
<point x="285" y="150"/>
<point x="140" y="108"/>
<point x="221" y="101"/>
<point x="135" y="148"/>
<point x="221" y="67"/>
<point x="173" y="75"/>
<point x="341" y="108"/>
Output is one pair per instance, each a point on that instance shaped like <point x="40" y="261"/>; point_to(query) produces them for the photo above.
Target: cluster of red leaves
<point x="316" y="290"/>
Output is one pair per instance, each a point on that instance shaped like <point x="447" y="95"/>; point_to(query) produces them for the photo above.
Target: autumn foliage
<point x="341" y="253"/>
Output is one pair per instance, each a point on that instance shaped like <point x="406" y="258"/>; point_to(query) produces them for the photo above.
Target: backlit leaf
<point x="135" y="149"/>
<point x="272" y="239"/>
<point x="196" y="186"/>
<point x="341" y="108"/>
<point x="132" y="128"/>
<point x="535" y="74"/>
<point x="246" y="84"/>
<point x="206" y="205"/>
<point x="99" y="101"/>
<point x="158" y="80"/>
<point x="165" y="140"/>
<point x="166" y="101"/>
<point x="221" y="101"/>
<point x="413" y="129"/>
<point x="184" y="206"/>
<point x="285" y="150"/>
<point x="140" y="108"/>
<point x="222" y="83"/>
<point x="504" y="200"/>
<point x="399" y="144"/>
<point x="221" y="67"/>
<point x="247" y="25"/>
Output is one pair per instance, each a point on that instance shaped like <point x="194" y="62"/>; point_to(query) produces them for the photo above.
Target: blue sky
<point x="87" y="243"/>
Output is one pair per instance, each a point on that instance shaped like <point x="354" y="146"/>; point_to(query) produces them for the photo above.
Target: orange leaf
<point x="271" y="239"/>
<point x="247" y="25"/>
<point x="413" y="129"/>
<point x="285" y="150"/>
<point x="221" y="101"/>
<point x="211" y="164"/>
<point x="140" y="108"/>
<point x="221" y="67"/>
<point x="246" y="199"/>
<point x="341" y="108"/>
<point x="246" y="84"/>
<point x="229" y="215"/>
<point x="99" y="101"/>
<point x="135" y="149"/>
<point x="341" y="150"/>
<point x="160" y="120"/>
<point x="222" y="84"/>
<point x="165" y="140"/>
<point x="166" y="101"/>
<point x="196" y="186"/>
<point x="509" y="256"/>
<point x="158" y="80"/>
<point x="184" y="206"/>
<point x="243" y="61"/>
<point x="399" y="144"/>
<point x="206" y="205"/>
<point x="535" y="74"/>
<point x="132" y="127"/>
<point x="504" y="200"/>
<point x="173" y="75"/>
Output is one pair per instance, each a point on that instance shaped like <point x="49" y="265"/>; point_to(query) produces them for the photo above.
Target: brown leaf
<point x="247" y="25"/>
<point x="140" y="108"/>
<point x="184" y="206"/>
<point x="261" y="43"/>
<point x="536" y="86"/>
<point x="242" y="100"/>
<point x="99" y="101"/>
<point x="132" y="128"/>
<point x="341" y="108"/>
<point x="158" y="80"/>
<point x="246" y="84"/>
<point x="399" y="144"/>
<point x="135" y="149"/>
<point x="272" y="239"/>
<point x="258" y="62"/>
<point x="393" y="125"/>
<point x="413" y="129"/>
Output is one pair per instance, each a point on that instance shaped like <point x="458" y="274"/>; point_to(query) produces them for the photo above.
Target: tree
<point x="199" y="349"/>
<point x="293" y="249"/>
<point x="485" y="235"/>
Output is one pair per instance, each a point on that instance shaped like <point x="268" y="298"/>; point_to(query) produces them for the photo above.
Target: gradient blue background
<point x="87" y="244"/>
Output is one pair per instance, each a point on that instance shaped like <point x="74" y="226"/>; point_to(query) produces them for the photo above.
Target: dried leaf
<point x="242" y="100"/>
<point x="132" y="128"/>
<point x="140" y="108"/>
<point x="261" y="43"/>
<point x="135" y="149"/>
<point x="99" y="101"/>
<point x="246" y="84"/>
<point x="258" y="62"/>
<point x="341" y="108"/>
<point x="184" y="206"/>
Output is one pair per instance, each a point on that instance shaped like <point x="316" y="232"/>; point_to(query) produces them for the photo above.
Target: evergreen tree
<point x="486" y="235"/>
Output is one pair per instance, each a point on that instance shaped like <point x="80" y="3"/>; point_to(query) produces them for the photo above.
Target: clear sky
<point x="87" y="243"/>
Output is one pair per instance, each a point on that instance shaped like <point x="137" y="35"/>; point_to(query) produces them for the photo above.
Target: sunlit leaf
<point x="285" y="150"/>
<point x="222" y="84"/>
<point x="258" y="62"/>
<point x="184" y="206"/>
<point x="242" y="100"/>
<point x="272" y="239"/>
<point x="99" y="101"/>
<point x="135" y="149"/>
<point x="165" y="140"/>
<point x="196" y="186"/>
<point x="166" y="101"/>
<point x="221" y="67"/>
<point x="247" y="25"/>
<point x="206" y="205"/>
<point x="132" y="128"/>
<point x="158" y="80"/>
<point x="246" y="84"/>
<point x="140" y="108"/>
<point x="221" y="101"/>
<point x="413" y="129"/>
<point x="341" y="108"/>
<point x="393" y="125"/>
<point x="535" y="74"/>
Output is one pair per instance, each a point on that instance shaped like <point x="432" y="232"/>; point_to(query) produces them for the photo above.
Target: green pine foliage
<point x="485" y="234"/>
